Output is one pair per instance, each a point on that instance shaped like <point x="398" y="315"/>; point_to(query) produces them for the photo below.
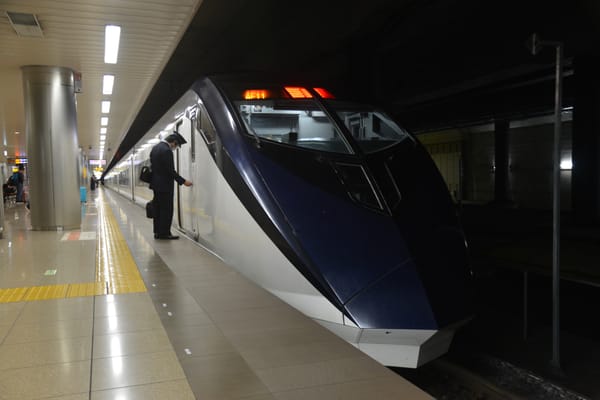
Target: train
<point x="326" y="203"/>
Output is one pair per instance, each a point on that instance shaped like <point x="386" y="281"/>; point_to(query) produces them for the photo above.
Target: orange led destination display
<point x="256" y="94"/>
<point x="295" y="92"/>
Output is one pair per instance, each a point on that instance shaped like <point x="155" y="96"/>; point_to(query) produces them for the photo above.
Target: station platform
<point x="108" y="312"/>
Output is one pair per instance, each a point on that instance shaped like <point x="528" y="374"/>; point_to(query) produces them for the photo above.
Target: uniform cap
<point x="176" y="137"/>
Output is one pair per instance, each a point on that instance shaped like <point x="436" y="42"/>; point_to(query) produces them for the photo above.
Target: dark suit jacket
<point x="163" y="169"/>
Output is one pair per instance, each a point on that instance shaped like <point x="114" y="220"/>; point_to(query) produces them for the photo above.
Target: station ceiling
<point x="431" y="62"/>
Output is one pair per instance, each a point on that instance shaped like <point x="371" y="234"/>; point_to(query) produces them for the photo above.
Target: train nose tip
<point x="396" y="300"/>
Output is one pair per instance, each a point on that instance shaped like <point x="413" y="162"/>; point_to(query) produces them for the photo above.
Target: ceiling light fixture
<point x="105" y="107"/>
<point x="102" y="131"/>
<point x="107" y="84"/>
<point x="112" y="35"/>
<point x="104" y="121"/>
<point x="102" y="137"/>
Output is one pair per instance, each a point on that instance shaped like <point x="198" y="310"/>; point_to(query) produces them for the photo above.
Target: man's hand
<point x="187" y="183"/>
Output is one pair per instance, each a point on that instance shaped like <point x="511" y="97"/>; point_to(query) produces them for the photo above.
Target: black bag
<point x="146" y="174"/>
<point x="150" y="209"/>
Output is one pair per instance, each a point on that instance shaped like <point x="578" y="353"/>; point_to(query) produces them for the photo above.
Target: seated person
<point x="9" y="190"/>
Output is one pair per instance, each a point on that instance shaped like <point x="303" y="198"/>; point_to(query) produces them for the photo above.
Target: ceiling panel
<point x="74" y="38"/>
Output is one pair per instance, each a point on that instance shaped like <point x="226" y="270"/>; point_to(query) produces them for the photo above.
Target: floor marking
<point x="87" y="235"/>
<point x="116" y="270"/>
<point x="114" y="263"/>
<point x="77" y="235"/>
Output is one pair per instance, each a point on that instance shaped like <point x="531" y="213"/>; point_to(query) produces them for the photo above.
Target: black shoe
<point x="168" y="237"/>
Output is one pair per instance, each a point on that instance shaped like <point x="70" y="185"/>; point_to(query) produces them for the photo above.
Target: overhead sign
<point x="97" y="162"/>
<point x="16" y="160"/>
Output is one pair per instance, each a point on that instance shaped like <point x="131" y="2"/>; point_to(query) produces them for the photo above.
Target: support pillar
<point x="51" y="127"/>
<point x="501" y="161"/>
<point x="585" y="184"/>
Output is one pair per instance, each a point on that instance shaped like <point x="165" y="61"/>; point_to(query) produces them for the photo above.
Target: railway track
<point x="484" y="378"/>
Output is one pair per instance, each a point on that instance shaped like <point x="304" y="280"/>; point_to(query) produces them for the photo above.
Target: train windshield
<point x="297" y="122"/>
<point x="372" y="129"/>
<point x="295" y="115"/>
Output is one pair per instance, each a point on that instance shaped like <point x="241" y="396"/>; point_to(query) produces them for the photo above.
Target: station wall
<point x="466" y="160"/>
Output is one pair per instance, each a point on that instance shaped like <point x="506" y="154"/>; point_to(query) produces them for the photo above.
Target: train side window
<point x="198" y="123"/>
<point x="206" y="128"/>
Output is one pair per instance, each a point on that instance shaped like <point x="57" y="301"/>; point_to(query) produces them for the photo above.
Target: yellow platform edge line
<point x="114" y="262"/>
<point x="12" y="295"/>
<point x="48" y="292"/>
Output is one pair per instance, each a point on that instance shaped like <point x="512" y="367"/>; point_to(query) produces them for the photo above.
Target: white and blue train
<point x="329" y="205"/>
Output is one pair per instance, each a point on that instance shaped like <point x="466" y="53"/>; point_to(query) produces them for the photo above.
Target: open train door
<point x="186" y="217"/>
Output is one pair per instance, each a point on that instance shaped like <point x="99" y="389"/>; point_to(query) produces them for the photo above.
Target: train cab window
<point x="372" y="130"/>
<point x="299" y="123"/>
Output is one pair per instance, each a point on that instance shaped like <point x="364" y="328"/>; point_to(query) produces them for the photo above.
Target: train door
<point x="186" y="167"/>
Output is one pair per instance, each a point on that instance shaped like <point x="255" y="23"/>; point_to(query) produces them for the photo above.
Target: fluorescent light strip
<point x="103" y="131"/>
<point x="107" y="84"/>
<point x="105" y="107"/>
<point x="102" y="137"/>
<point x="112" y="35"/>
<point x="104" y="121"/>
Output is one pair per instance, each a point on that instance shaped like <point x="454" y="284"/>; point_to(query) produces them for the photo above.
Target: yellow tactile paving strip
<point x="114" y="263"/>
<point x="116" y="270"/>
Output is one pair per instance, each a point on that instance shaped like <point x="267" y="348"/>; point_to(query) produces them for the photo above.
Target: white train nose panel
<point x="408" y="348"/>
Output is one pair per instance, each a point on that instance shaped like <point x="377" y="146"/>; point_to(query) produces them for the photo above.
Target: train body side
<point x="284" y="219"/>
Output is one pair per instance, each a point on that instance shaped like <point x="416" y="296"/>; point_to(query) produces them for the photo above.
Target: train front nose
<point x="397" y="300"/>
<point x="428" y="291"/>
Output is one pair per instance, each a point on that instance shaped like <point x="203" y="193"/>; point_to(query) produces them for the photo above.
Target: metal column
<point x="556" y="211"/>
<point x="51" y="127"/>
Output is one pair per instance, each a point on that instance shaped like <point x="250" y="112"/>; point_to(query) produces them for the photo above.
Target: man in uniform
<point x="163" y="175"/>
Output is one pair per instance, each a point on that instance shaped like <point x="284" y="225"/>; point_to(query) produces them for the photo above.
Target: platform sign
<point x="15" y="161"/>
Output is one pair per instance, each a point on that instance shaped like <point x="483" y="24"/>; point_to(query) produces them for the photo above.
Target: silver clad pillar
<point x="51" y="127"/>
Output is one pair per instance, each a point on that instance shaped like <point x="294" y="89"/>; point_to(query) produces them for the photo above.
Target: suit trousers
<point x="163" y="213"/>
